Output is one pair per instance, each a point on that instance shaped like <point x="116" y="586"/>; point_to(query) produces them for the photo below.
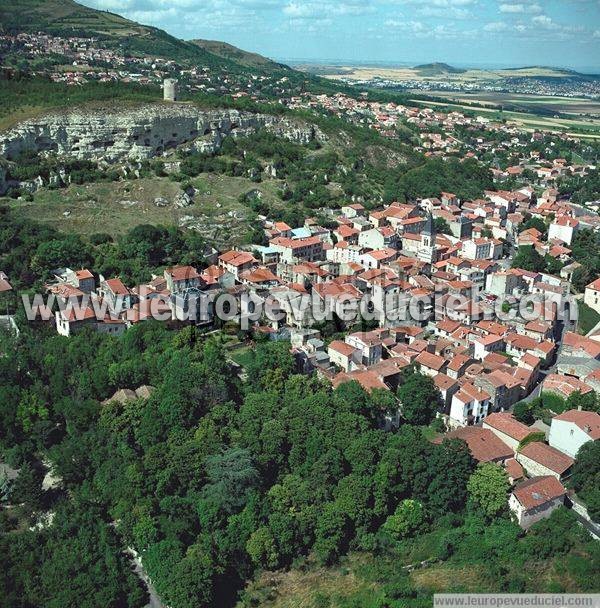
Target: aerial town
<point x="455" y="257"/>
<point x="482" y="362"/>
<point x="362" y="371"/>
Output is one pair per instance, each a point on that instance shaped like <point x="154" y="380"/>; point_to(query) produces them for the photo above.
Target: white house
<point x="563" y="229"/>
<point x="592" y="295"/>
<point x="344" y="355"/>
<point x="469" y="405"/>
<point x="570" y="430"/>
<point x="368" y="345"/>
<point x="477" y="249"/>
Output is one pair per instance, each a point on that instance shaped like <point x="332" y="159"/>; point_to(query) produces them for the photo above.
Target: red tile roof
<point x="514" y="469"/>
<point x="181" y="273"/>
<point x="507" y="424"/>
<point x="444" y="382"/>
<point x="367" y="379"/>
<point x="538" y="490"/>
<point x="547" y="456"/>
<point x="575" y="341"/>
<point x="117" y="287"/>
<point x="565" y="385"/>
<point x="259" y="275"/>
<point x="342" y="348"/>
<point x="237" y="258"/>
<point x="589" y="422"/>
<point x="483" y="444"/>
<point x="431" y="361"/>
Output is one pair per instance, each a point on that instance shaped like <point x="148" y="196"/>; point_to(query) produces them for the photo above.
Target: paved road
<point x="139" y="570"/>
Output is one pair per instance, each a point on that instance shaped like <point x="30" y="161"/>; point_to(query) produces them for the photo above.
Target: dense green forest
<point x="212" y="480"/>
<point x="29" y="251"/>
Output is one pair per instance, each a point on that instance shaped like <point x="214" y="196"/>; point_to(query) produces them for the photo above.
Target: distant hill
<point x="437" y="69"/>
<point x="68" y="18"/>
<point x="233" y="53"/>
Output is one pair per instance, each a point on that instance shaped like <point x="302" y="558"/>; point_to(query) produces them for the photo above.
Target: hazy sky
<point x="465" y="32"/>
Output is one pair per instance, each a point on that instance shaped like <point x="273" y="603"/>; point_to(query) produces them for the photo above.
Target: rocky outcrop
<point x="142" y="132"/>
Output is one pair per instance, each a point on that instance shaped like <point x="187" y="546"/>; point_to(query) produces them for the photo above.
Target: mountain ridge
<point x="234" y="53"/>
<point x="69" y="18"/>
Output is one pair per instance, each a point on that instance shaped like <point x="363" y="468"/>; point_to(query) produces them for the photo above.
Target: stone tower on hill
<point x="170" y="89"/>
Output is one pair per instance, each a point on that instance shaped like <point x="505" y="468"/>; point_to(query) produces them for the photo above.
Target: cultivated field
<point x="587" y="127"/>
<point x="564" y="105"/>
<point x="471" y="76"/>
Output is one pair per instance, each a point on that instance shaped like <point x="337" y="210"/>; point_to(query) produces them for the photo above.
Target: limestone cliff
<point x="142" y="132"/>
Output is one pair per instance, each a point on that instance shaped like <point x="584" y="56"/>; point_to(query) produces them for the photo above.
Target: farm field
<point x="433" y="73"/>
<point x="565" y="105"/>
<point x="578" y="126"/>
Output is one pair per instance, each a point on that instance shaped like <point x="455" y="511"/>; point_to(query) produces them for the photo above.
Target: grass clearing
<point x="116" y="207"/>
<point x="588" y="318"/>
<point x="242" y="356"/>
<point x="312" y="587"/>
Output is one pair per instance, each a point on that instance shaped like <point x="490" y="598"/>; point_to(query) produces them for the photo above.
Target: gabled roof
<point x="457" y="362"/>
<point x="431" y="361"/>
<point x="444" y="382"/>
<point x="367" y="379"/>
<point x="588" y="422"/>
<point x="573" y="340"/>
<point x="237" y="258"/>
<point x="182" y="273"/>
<point x="117" y="287"/>
<point x="72" y="315"/>
<point x="342" y="347"/>
<point x="83" y="274"/>
<point x="259" y="275"/>
<point x="514" y="469"/>
<point x="538" y="490"/>
<point x="506" y="423"/>
<point x="483" y="444"/>
<point x="547" y="456"/>
<point x="469" y="393"/>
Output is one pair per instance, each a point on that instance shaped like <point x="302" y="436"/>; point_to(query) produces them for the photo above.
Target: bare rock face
<point x="143" y="132"/>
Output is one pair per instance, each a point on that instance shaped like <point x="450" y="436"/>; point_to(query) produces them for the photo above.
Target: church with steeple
<point x="427" y="250"/>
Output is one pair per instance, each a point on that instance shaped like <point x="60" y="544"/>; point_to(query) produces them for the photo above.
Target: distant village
<point x="76" y="61"/>
<point x="563" y="87"/>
